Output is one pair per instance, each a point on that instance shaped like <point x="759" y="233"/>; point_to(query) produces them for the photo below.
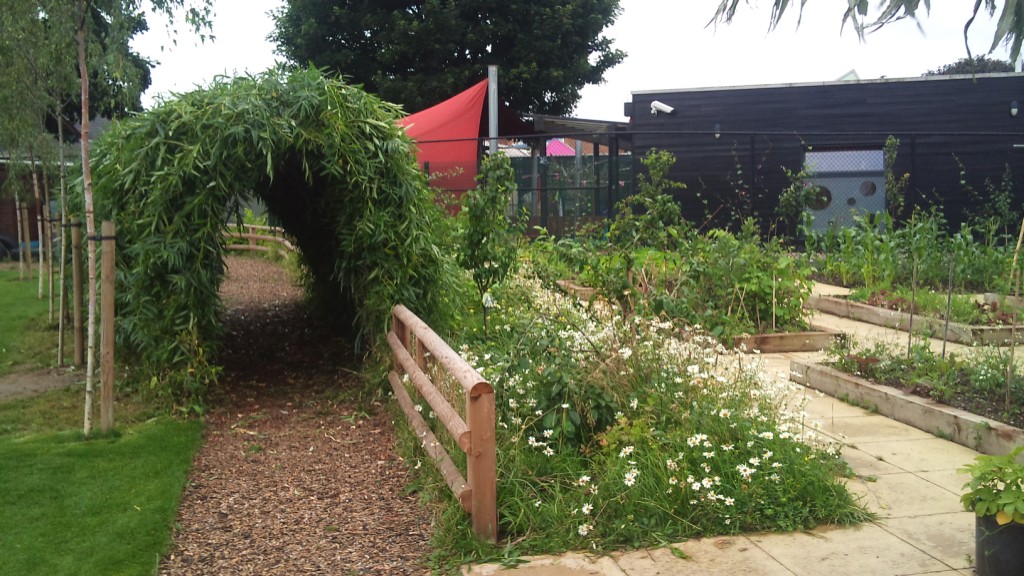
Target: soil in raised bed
<point x="966" y="397"/>
<point x="989" y="313"/>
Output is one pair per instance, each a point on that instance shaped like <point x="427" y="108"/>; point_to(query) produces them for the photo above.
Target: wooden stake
<point x="39" y="224"/>
<point x="107" y="330"/>
<point x="482" y="461"/>
<point x="76" y="291"/>
<point x="26" y="252"/>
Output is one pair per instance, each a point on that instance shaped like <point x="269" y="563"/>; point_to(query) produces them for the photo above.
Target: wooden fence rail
<point x="253" y="234"/>
<point x="414" y="344"/>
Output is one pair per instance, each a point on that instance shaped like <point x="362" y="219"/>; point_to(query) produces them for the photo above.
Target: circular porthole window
<point x="822" y="200"/>
<point x="868" y="188"/>
<point x="851" y="201"/>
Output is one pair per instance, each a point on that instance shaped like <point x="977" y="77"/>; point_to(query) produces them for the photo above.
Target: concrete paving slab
<point x="572" y="564"/>
<point x="920" y="455"/>
<point x="706" y="557"/>
<point x="872" y="428"/>
<point x="826" y="407"/>
<point x="864" y="549"/>
<point x="822" y="289"/>
<point x="951" y="480"/>
<point x="947" y="537"/>
<point x="864" y="464"/>
<point x="903" y="495"/>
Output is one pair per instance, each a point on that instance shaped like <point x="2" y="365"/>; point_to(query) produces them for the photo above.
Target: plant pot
<point x="999" y="550"/>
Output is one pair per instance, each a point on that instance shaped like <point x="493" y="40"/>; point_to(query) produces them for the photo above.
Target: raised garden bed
<point x="964" y="428"/>
<point x="817" y="338"/>
<point x="926" y="325"/>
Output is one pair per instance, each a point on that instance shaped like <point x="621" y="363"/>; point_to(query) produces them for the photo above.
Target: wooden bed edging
<point x="414" y="344"/>
<point x="960" y="426"/>
<point x="933" y="327"/>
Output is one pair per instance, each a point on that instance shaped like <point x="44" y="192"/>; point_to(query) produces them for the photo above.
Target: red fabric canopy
<point x="446" y="135"/>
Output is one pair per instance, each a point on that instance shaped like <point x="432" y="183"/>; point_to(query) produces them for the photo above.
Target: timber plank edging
<point x="934" y="327"/>
<point x="967" y="429"/>
<point x="817" y="338"/>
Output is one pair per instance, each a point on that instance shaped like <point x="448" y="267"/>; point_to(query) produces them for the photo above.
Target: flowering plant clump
<point x="625" y="432"/>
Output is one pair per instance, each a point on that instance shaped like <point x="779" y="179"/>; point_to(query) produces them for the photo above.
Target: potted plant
<point x="996" y="494"/>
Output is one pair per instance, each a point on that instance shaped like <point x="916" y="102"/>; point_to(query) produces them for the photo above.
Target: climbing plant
<point x="327" y="159"/>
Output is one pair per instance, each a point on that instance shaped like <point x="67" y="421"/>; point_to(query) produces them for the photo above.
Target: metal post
<point x="492" y="108"/>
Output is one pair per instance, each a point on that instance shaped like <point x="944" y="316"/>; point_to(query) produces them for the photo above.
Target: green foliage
<point x="975" y="381"/>
<point x="963" y="308"/>
<point x="93" y="508"/>
<point x="996" y="487"/>
<point x="895" y="186"/>
<point x="420" y="53"/>
<point x="980" y="64"/>
<point x="41" y="72"/>
<point x="650" y="218"/>
<point x="325" y="157"/>
<point x="795" y="199"/>
<point x="488" y="242"/>
<point x="873" y="255"/>
<point x="994" y="207"/>
<point x="616" y="433"/>
<point x="1009" y="30"/>
<point x="653" y="263"/>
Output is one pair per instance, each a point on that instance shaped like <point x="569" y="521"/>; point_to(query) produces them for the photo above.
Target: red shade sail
<point x="446" y="136"/>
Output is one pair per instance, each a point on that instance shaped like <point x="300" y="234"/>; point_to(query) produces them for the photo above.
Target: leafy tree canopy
<point x="420" y="52"/>
<point x="1010" y="27"/>
<point x="40" y="62"/>
<point x="977" y="65"/>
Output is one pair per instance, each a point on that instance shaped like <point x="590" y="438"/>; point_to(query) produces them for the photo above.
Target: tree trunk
<point x="21" y="234"/>
<point x="63" y="244"/>
<point x="34" y="166"/>
<point x="49" y="244"/>
<point x="90" y="225"/>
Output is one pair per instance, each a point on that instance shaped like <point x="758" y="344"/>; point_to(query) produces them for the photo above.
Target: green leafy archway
<point x="328" y="160"/>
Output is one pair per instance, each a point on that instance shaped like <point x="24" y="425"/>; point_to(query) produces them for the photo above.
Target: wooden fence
<point x="254" y="234"/>
<point x="416" y="349"/>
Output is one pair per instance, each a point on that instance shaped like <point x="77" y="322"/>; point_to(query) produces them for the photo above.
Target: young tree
<point x="418" y="53"/>
<point x="488" y="241"/>
<point x="1010" y="27"/>
<point x="94" y="34"/>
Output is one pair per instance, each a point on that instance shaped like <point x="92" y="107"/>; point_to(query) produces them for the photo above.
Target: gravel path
<point x="295" y="477"/>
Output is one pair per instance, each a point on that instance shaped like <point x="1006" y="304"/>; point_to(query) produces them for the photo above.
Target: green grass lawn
<point x="79" y="507"/>
<point x="26" y="337"/>
<point x="98" y="507"/>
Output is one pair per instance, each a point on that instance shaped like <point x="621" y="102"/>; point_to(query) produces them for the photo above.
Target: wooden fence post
<point x="107" y="330"/>
<point x="482" y="461"/>
<point x="26" y="252"/>
<point x="76" y="291"/>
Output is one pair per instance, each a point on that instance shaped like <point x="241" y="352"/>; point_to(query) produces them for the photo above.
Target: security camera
<point x="657" y="106"/>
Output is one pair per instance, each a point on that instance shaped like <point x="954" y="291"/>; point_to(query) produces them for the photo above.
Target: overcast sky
<point x="668" y="43"/>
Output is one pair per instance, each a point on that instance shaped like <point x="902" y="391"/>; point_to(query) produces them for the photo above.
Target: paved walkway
<point x="907" y="477"/>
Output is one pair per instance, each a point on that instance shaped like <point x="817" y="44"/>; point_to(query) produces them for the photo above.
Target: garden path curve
<point x="298" y="473"/>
